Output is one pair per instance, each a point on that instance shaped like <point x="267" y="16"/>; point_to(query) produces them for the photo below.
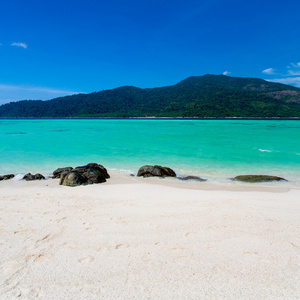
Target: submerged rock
<point x="196" y="178"/>
<point x="57" y="172"/>
<point x="88" y="174"/>
<point x="257" y="178"/>
<point x="30" y="177"/>
<point x="6" y="177"/>
<point x="155" y="171"/>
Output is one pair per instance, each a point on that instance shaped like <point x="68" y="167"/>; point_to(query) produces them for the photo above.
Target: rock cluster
<point x="6" y="177"/>
<point x="95" y="173"/>
<point x="30" y="177"/>
<point x="82" y="175"/>
<point x="159" y="171"/>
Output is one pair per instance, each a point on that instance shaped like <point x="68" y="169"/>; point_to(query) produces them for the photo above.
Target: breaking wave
<point x="264" y="150"/>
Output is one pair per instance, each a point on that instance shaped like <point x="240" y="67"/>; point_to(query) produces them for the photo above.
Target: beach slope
<point x="134" y="238"/>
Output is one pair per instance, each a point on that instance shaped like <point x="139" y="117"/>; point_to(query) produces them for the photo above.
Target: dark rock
<point x="88" y="174"/>
<point x="30" y="177"/>
<point x="156" y="171"/>
<point x="192" y="178"/>
<point x="94" y="175"/>
<point x="257" y="178"/>
<point x="62" y="176"/>
<point x="93" y="166"/>
<point x="39" y="176"/>
<point x="57" y="172"/>
<point x="72" y="178"/>
<point x="6" y="177"/>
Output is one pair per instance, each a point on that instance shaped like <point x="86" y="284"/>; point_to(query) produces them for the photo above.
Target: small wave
<point x="122" y="170"/>
<point x="18" y="176"/>
<point x="264" y="150"/>
<point x="297" y="153"/>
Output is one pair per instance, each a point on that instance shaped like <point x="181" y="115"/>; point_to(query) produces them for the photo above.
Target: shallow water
<point x="215" y="149"/>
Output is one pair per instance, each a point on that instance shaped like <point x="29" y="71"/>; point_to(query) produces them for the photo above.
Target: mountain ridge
<point x="195" y="96"/>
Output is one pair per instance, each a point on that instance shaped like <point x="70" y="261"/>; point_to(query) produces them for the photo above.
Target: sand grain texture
<point x="132" y="238"/>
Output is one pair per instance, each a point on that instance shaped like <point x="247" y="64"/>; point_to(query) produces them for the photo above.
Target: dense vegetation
<point x="197" y="96"/>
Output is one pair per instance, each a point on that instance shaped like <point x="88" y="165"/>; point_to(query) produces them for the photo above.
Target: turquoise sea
<point x="214" y="149"/>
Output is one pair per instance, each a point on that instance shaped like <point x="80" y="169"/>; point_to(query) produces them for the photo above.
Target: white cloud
<point x="293" y="69"/>
<point x="15" y="92"/>
<point x="269" y="71"/>
<point x="291" y="77"/>
<point x="289" y="80"/>
<point x="23" y="45"/>
<point x="297" y="65"/>
<point x="294" y="73"/>
<point x="226" y="73"/>
<point x="34" y="89"/>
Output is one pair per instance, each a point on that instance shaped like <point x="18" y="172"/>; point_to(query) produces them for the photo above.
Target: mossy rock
<point x="257" y="178"/>
<point x="155" y="171"/>
<point x="57" y="172"/>
<point x="195" y="178"/>
<point x="30" y="177"/>
<point x="72" y="178"/>
<point x="82" y="175"/>
<point x="6" y="177"/>
<point x="94" y="166"/>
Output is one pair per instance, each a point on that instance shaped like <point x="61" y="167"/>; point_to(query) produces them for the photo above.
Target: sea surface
<point x="213" y="149"/>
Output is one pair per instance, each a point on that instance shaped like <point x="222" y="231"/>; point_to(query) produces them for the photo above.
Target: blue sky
<point x="54" y="48"/>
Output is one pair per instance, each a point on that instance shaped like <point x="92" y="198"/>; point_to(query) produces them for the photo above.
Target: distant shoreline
<point x="207" y="97"/>
<point x="155" y="118"/>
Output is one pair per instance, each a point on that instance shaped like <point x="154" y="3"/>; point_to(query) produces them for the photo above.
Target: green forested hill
<point x="197" y="96"/>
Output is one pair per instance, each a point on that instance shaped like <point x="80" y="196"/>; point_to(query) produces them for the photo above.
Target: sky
<point x="55" y="48"/>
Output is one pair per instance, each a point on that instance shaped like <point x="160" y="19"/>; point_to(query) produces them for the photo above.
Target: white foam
<point x="264" y="150"/>
<point x="122" y="170"/>
<point x="19" y="177"/>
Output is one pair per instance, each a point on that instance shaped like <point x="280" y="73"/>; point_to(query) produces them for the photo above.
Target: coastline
<point x="125" y="177"/>
<point x="149" y="238"/>
<point x="212" y="181"/>
<point x="154" y="118"/>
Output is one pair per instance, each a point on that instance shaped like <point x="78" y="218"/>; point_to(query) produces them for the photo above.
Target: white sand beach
<point x="135" y="238"/>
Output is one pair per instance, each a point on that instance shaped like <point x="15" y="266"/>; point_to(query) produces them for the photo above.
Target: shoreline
<point x="211" y="183"/>
<point x="154" y="118"/>
<point x="128" y="177"/>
